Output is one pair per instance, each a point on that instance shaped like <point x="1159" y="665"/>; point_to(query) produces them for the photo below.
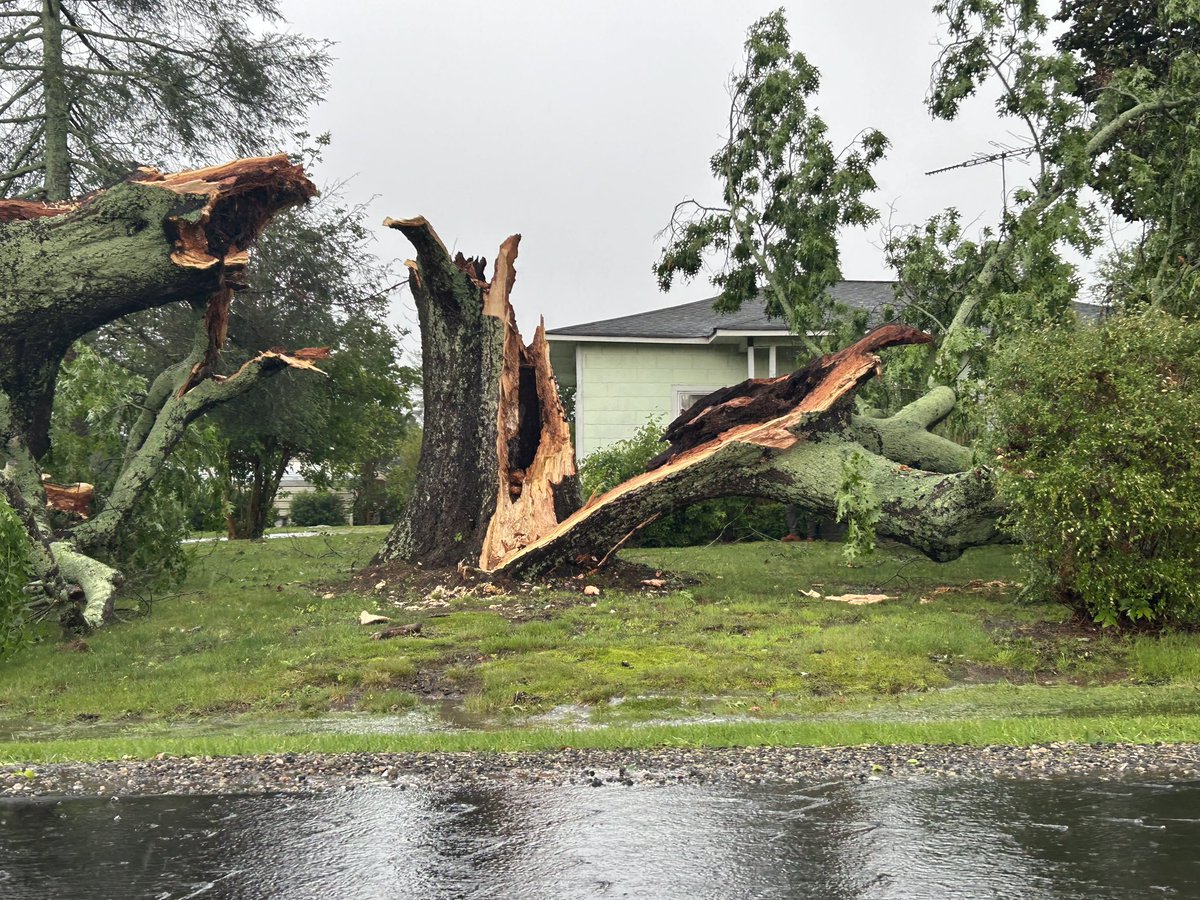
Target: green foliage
<point x="731" y="518"/>
<point x="1100" y="435"/>
<point x="96" y="402"/>
<point x="1109" y="112"/>
<point x="15" y="573"/>
<point x="604" y="469"/>
<point x="785" y="192"/>
<point x="146" y="82"/>
<point x="858" y="507"/>
<point x="318" y="508"/>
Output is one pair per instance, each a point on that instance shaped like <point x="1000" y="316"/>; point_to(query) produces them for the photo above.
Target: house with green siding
<point x="626" y="370"/>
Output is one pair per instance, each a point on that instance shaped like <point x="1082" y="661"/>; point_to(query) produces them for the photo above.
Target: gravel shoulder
<point x="317" y="773"/>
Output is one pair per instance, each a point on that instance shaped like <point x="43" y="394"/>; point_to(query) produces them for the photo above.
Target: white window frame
<point x="678" y="390"/>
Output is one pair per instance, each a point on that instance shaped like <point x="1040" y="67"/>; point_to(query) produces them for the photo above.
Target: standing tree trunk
<point x="57" y="176"/>
<point x="497" y="486"/>
<point x="494" y="435"/>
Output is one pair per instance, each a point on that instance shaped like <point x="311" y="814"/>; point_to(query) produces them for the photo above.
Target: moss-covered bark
<point x="905" y="437"/>
<point x="454" y="493"/>
<point x="69" y="268"/>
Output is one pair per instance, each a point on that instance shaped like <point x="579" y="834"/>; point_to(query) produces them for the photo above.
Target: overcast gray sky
<point x="581" y="124"/>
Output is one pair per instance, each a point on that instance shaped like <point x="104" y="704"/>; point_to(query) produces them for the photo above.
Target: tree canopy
<point x="89" y="89"/>
<point x="785" y="192"/>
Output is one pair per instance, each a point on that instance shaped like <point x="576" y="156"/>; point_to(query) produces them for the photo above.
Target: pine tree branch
<point x="18" y="94"/>
<point x="199" y="56"/>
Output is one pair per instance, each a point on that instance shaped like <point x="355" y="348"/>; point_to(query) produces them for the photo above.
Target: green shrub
<point x="14" y="574"/>
<point x="1099" y="431"/>
<point x="318" y="508"/>
<point x="731" y="518"/>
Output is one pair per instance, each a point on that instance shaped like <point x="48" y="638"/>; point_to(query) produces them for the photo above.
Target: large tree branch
<point x="184" y="404"/>
<point x="783" y="439"/>
<point x="905" y="437"/>
<point x="66" y="269"/>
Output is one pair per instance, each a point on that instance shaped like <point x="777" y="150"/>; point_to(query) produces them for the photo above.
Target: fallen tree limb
<point x="170" y="424"/>
<point x="795" y="455"/>
<point x="151" y="240"/>
<point x="905" y="436"/>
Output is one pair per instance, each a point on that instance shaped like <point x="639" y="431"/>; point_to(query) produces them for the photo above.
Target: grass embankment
<point x="256" y="654"/>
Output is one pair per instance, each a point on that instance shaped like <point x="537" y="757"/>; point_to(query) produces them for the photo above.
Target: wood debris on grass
<point x="861" y="599"/>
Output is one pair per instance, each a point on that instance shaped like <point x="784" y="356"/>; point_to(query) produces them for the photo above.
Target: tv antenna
<point x="1003" y="153"/>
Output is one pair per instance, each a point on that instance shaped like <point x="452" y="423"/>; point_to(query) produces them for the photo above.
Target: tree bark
<point x="57" y="175"/>
<point x="497" y="466"/>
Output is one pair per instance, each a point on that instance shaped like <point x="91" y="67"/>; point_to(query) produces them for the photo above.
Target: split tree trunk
<point x="496" y="484"/>
<point x="497" y="466"/>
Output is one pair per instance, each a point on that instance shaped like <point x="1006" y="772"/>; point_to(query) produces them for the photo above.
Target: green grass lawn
<point x="257" y="639"/>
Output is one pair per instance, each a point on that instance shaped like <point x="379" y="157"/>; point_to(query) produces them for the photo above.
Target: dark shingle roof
<point x="698" y="320"/>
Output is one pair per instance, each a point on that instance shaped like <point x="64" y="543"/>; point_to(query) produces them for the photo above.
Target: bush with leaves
<point x="14" y="574"/>
<point x="1099" y="431"/>
<point x="728" y="519"/>
<point x="318" y="508"/>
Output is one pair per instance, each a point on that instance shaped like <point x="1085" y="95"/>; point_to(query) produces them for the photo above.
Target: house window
<point x="687" y="394"/>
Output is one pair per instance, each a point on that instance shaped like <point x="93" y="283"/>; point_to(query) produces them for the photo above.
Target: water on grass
<point x="893" y="838"/>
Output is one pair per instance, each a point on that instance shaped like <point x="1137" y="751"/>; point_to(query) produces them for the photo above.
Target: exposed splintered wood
<point x="240" y="198"/>
<point x="23" y="210"/>
<point x="497" y="466"/>
<point x="536" y="459"/>
<point x="75" y="499"/>
<point x="782" y="439"/>
<point x="154" y="239"/>
<point x="759" y="400"/>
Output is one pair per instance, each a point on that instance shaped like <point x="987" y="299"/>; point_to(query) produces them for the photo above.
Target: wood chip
<point x="591" y="591"/>
<point x="860" y="599"/>
<point x="816" y="595"/>
<point x="366" y="618"/>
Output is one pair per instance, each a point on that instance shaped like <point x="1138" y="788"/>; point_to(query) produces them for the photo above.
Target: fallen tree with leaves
<point x="72" y="267"/>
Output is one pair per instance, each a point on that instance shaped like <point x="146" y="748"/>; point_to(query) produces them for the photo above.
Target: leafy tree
<point x="317" y="282"/>
<point x="1128" y="51"/>
<point x="92" y="88"/>
<point x="1085" y="131"/>
<point x="785" y="192"/>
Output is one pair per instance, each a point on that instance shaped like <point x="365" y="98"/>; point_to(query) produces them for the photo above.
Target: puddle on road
<point x="936" y="838"/>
